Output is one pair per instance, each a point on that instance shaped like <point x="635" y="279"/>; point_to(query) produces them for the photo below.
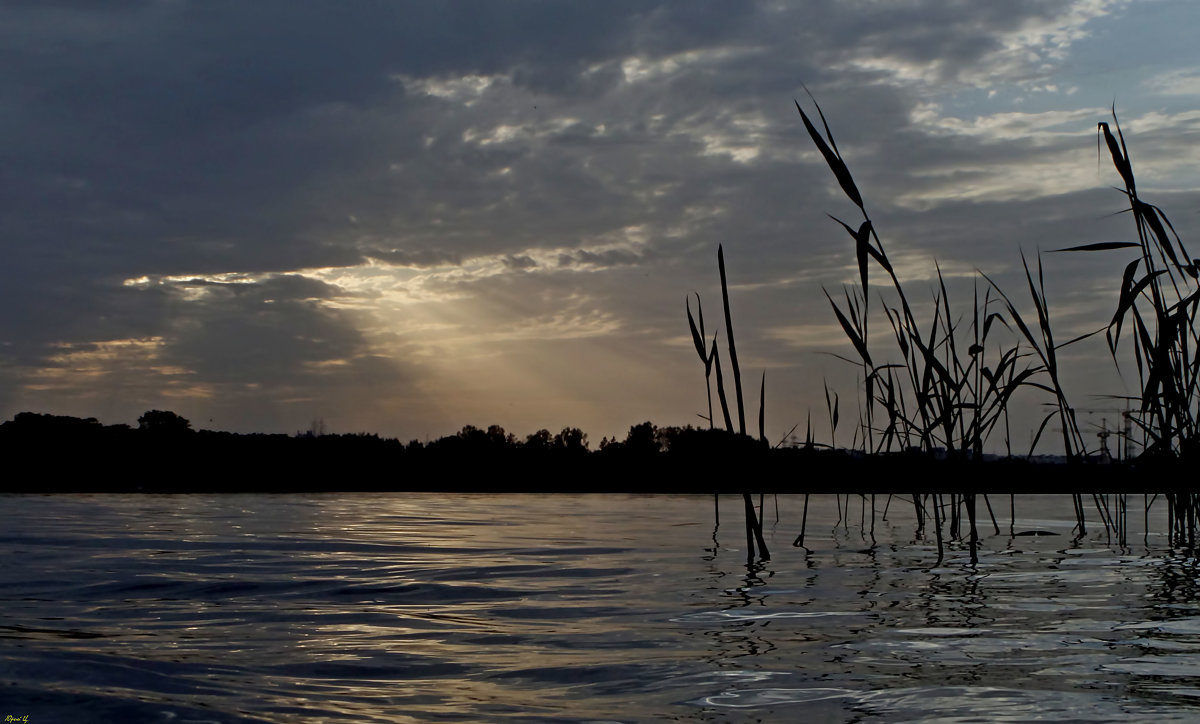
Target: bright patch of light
<point x="465" y="89"/>
<point x="1182" y="82"/>
<point x="716" y="146"/>
<point x="1033" y="127"/>
<point x="637" y="69"/>
<point x="197" y="287"/>
<point x="1025" y="55"/>
<point x="807" y="336"/>
<point x="1047" y="172"/>
<point x="87" y="369"/>
<point x="506" y="133"/>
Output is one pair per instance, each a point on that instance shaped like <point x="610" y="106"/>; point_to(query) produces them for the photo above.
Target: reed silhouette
<point x="952" y="388"/>
<point x="947" y="393"/>
<point x="712" y="361"/>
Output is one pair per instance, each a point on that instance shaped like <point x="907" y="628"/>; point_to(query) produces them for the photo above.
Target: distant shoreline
<point x="69" y="455"/>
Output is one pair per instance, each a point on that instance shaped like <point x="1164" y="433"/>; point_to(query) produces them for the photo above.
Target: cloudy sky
<point x="408" y="217"/>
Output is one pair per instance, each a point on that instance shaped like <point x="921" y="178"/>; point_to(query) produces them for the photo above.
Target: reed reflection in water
<point x="399" y="607"/>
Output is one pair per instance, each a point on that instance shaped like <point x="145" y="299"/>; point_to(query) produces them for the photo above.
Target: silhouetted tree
<point x="571" y="440"/>
<point x="163" y="422"/>
<point x="473" y="437"/>
<point x="499" y="439"/>
<point x="540" y="441"/>
<point x="51" y="425"/>
<point x="642" y="439"/>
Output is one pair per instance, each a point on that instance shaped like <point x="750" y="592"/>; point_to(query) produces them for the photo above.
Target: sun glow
<point x="85" y="369"/>
<point x="518" y="333"/>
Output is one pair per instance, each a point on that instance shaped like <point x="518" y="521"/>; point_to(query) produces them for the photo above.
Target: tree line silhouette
<point x="163" y="453"/>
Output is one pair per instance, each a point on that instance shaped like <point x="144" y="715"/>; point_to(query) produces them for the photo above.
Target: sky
<point x="405" y="218"/>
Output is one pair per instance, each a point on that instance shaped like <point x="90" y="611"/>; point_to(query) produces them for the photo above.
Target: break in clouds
<point x="407" y="217"/>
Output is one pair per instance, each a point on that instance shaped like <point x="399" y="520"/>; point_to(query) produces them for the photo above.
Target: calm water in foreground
<point x="400" y="607"/>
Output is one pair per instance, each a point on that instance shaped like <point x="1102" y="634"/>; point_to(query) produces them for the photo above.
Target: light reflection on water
<point x="401" y="607"/>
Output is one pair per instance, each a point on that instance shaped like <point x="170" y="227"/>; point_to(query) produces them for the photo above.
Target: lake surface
<point x="425" y="607"/>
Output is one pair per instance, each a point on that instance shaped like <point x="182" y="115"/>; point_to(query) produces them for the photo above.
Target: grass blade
<point x="1099" y="246"/>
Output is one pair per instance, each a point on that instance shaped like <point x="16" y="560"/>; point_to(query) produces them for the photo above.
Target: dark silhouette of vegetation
<point x="712" y="360"/>
<point x="163" y="422"/>
<point x="952" y="387"/>
<point x="944" y="394"/>
<point x="954" y="400"/>
<point x="171" y="457"/>
<point x="926" y="415"/>
<point x="1161" y="307"/>
<point x="67" y="454"/>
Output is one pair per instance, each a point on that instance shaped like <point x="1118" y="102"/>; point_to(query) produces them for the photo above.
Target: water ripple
<point x="397" y="608"/>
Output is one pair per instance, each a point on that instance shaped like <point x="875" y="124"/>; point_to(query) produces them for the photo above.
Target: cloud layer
<point x="407" y="217"/>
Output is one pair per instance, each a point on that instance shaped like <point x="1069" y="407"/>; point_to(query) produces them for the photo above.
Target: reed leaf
<point x="1182" y="249"/>
<point x="1129" y="297"/>
<point x="1123" y="304"/>
<point x="1080" y="338"/>
<point x="831" y="407"/>
<point x="1041" y="428"/>
<point x="859" y="345"/>
<point x="863" y="249"/>
<point x="1150" y="215"/>
<point x="698" y="334"/>
<point x="1099" y="246"/>
<point x="993" y="317"/>
<point x="832" y="158"/>
<point x="1120" y="161"/>
<point x="716" y="356"/>
<point x="901" y="338"/>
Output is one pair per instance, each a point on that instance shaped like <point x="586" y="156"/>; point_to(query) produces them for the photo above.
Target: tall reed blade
<point x="1166" y="343"/>
<point x="733" y="360"/>
<point x="707" y="359"/>
<point x="716" y="357"/>
<point x="762" y="407"/>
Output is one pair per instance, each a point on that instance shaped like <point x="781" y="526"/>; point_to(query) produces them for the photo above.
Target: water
<point x="402" y="608"/>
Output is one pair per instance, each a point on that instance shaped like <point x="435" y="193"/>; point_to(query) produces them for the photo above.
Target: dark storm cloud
<point x="273" y="342"/>
<point x="948" y="35"/>
<point x="182" y="125"/>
